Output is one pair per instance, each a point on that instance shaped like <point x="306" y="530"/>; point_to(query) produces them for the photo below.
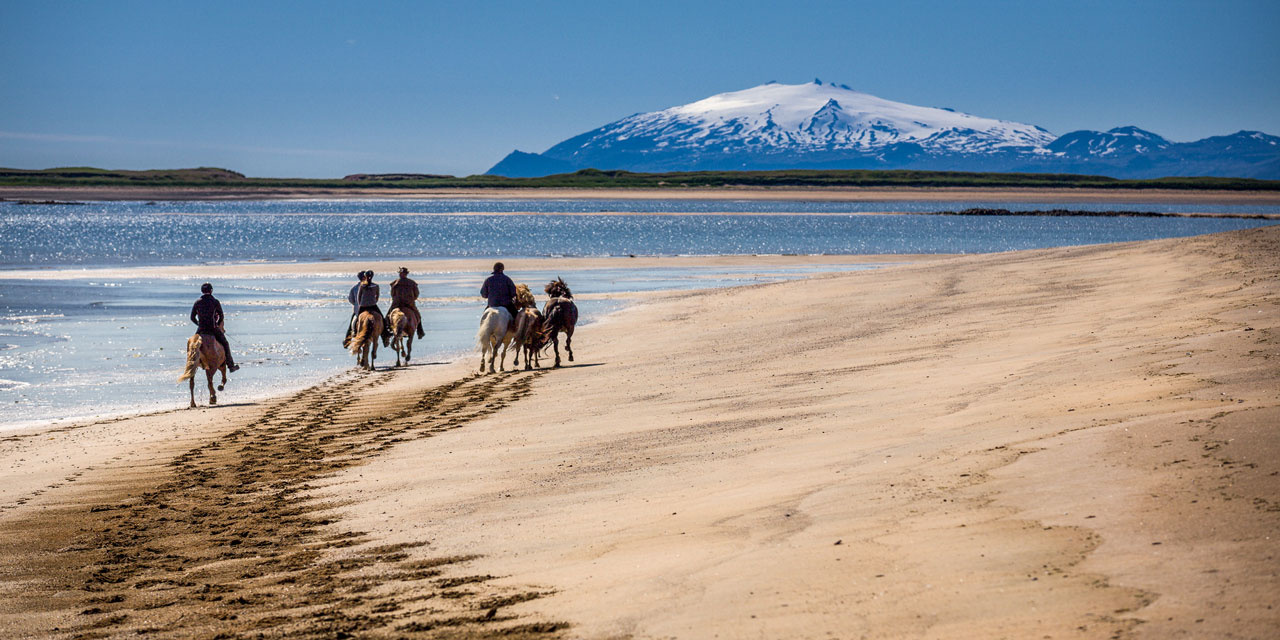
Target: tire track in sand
<point x="228" y="541"/>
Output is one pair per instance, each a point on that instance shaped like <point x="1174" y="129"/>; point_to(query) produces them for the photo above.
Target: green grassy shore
<point x="210" y="177"/>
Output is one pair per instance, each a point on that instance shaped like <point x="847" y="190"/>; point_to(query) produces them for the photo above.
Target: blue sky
<point x="323" y="89"/>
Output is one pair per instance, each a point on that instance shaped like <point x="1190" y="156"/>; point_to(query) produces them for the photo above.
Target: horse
<point x="561" y="314"/>
<point x="365" y="338"/>
<point x="529" y="338"/>
<point x="404" y="327"/>
<point x="203" y="350"/>
<point x="494" y="326"/>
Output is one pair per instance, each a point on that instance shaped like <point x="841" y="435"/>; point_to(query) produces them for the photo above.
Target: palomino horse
<point x="403" y="326"/>
<point x="204" y="351"/>
<point x="365" y="338"/>
<point x="561" y="315"/>
<point x="493" y="332"/>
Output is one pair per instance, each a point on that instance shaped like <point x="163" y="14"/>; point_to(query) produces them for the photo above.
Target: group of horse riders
<point x="364" y="297"/>
<point x="498" y="289"/>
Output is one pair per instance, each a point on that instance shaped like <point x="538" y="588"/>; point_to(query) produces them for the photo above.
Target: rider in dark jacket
<point x="404" y="296"/>
<point x="206" y="314"/>
<point x="500" y="290"/>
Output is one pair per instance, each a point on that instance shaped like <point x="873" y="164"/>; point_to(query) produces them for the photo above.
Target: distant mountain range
<point x="829" y="126"/>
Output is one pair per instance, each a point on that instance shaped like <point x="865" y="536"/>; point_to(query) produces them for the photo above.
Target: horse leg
<point x="408" y="349"/>
<point x="192" y="381"/>
<point x="395" y="346"/>
<point x="213" y="395"/>
<point x="374" y="355"/>
<point x="224" y="378"/>
<point x="568" y="343"/>
<point x="555" y="342"/>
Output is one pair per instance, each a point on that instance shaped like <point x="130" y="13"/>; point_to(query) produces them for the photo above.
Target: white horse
<point x="495" y="327"/>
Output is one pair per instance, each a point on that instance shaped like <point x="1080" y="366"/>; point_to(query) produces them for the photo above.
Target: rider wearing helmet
<point x="207" y="315"/>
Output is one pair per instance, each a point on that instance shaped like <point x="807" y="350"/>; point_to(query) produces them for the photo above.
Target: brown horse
<point x="403" y="328"/>
<point x="203" y="351"/>
<point x="561" y="315"/>
<point x="365" y="338"/>
<point x="529" y="339"/>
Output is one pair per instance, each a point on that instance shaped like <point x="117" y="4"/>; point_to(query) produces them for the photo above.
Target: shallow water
<point x="86" y="347"/>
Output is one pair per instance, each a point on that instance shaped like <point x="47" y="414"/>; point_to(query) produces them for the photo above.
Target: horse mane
<point x="524" y="297"/>
<point x="558" y="289"/>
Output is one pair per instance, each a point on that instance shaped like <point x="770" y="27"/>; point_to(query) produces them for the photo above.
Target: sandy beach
<point x="1067" y="443"/>
<point x="831" y="194"/>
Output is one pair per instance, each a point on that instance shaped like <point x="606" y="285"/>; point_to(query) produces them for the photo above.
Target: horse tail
<point x="398" y="321"/>
<point x="193" y="358"/>
<point x="488" y="323"/>
<point x="362" y="335"/>
<point x="555" y="315"/>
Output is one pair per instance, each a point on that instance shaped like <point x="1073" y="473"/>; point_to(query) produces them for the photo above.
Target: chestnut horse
<point x="561" y="315"/>
<point x="204" y="351"/>
<point x="403" y="328"/>
<point x="368" y="328"/>
<point x="529" y="337"/>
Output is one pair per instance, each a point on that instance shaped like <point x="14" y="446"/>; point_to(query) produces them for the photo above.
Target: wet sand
<point x="832" y="194"/>
<point x="1073" y="442"/>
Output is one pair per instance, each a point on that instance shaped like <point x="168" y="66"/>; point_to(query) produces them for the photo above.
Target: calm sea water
<point x="80" y="346"/>
<point x="181" y="233"/>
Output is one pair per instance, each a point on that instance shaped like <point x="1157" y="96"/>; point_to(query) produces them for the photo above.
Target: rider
<point x="500" y="290"/>
<point x="403" y="294"/>
<point x="364" y="297"/>
<point x="206" y="314"/>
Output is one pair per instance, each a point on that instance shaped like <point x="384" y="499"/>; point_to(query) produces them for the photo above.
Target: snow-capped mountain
<point x="774" y="117"/>
<point x="828" y="126"/>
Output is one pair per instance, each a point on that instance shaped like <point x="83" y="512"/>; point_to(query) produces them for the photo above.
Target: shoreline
<point x="832" y="194"/>
<point x="422" y="266"/>
<point x="620" y="212"/>
<point x="1085" y="433"/>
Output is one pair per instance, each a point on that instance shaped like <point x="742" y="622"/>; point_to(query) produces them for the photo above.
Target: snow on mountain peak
<point x="781" y="115"/>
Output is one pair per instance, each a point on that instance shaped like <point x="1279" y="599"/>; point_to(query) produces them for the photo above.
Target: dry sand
<point x="1071" y="442"/>
<point x="828" y="194"/>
